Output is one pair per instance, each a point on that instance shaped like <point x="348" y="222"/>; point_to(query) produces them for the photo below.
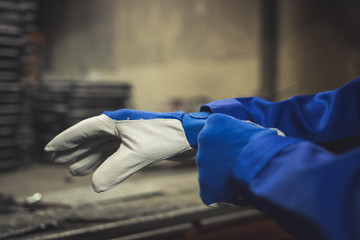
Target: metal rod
<point x="269" y="48"/>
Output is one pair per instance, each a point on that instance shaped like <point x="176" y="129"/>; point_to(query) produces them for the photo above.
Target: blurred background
<point x="62" y="61"/>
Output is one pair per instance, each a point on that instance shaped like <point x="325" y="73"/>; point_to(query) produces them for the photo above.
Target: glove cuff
<point x="192" y="124"/>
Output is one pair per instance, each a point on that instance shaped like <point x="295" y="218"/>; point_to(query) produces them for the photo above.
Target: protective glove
<point x="221" y="143"/>
<point x="117" y="144"/>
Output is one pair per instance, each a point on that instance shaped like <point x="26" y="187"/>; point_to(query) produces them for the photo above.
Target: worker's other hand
<point x="221" y="143"/>
<point x="120" y="143"/>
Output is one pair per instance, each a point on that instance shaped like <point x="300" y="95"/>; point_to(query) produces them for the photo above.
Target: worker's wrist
<point x="231" y="107"/>
<point x="192" y="124"/>
<point x="256" y="155"/>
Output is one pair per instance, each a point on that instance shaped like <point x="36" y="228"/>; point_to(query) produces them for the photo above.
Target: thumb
<point x="143" y="142"/>
<point x="118" y="167"/>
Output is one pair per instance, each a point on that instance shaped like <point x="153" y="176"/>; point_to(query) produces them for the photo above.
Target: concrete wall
<point x="167" y="49"/>
<point x="170" y="49"/>
<point x="319" y="49"/>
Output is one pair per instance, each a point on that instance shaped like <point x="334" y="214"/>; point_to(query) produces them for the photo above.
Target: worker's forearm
<point x="320" y="117"/>
<point x="309" y="191"/>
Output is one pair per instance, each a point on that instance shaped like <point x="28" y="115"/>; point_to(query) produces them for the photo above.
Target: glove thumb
<point x="118" y="167"/>
<point x="143" y="142"/>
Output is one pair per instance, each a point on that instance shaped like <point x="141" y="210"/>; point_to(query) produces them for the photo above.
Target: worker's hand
<point x="120" y="143"/>
<point x="221" y="142"/>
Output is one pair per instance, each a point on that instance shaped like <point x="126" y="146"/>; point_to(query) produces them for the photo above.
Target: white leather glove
<point x="118" y="144"/>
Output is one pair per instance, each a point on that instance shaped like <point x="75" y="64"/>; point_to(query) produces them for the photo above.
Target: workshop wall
<point x="192" y="51"/>
<point x="319" y="45"/>
<point x="168" y="50"/>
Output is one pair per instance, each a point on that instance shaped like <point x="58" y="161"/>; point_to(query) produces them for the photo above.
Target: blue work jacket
<point x="309" y="181"/>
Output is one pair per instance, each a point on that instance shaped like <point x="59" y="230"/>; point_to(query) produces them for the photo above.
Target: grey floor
<point x="53" y="180"/>
<point x="160" y="191"/>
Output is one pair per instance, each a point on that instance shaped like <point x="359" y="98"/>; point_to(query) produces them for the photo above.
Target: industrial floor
<point x="39" y="177"/>
<point x="157" y="202"/>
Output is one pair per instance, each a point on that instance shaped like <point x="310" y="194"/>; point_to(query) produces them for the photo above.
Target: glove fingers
<point x="87" y="165"/>
<point x="77" y="153"/>
<point x="85" y="130"/>
<point x="143" y="142"/>
<point x="119" y="166"/>
<point x="92" y="161"/>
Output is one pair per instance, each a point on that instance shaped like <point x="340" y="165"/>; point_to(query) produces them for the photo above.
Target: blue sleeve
<point x="321" y="117"/>
<point x="309" y="191"/>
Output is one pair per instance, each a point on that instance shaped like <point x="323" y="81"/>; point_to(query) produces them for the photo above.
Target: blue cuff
<point x="230" y="107"/>
<point x="192" y="124"/>
<point x="129" y="114"/>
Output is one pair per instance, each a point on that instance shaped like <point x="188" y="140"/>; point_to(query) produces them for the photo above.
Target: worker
<point x="249" y="151"/>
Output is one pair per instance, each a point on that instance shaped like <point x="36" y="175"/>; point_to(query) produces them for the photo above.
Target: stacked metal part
<point x="14" y="47"/>
<point x="59" y="105"/>
<point x="29" y="15"/>
<point x="91" y="99"/>
<point x="11" y="41"/>
<point x="11" y="96"/>
<point x="49" y="115"/>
